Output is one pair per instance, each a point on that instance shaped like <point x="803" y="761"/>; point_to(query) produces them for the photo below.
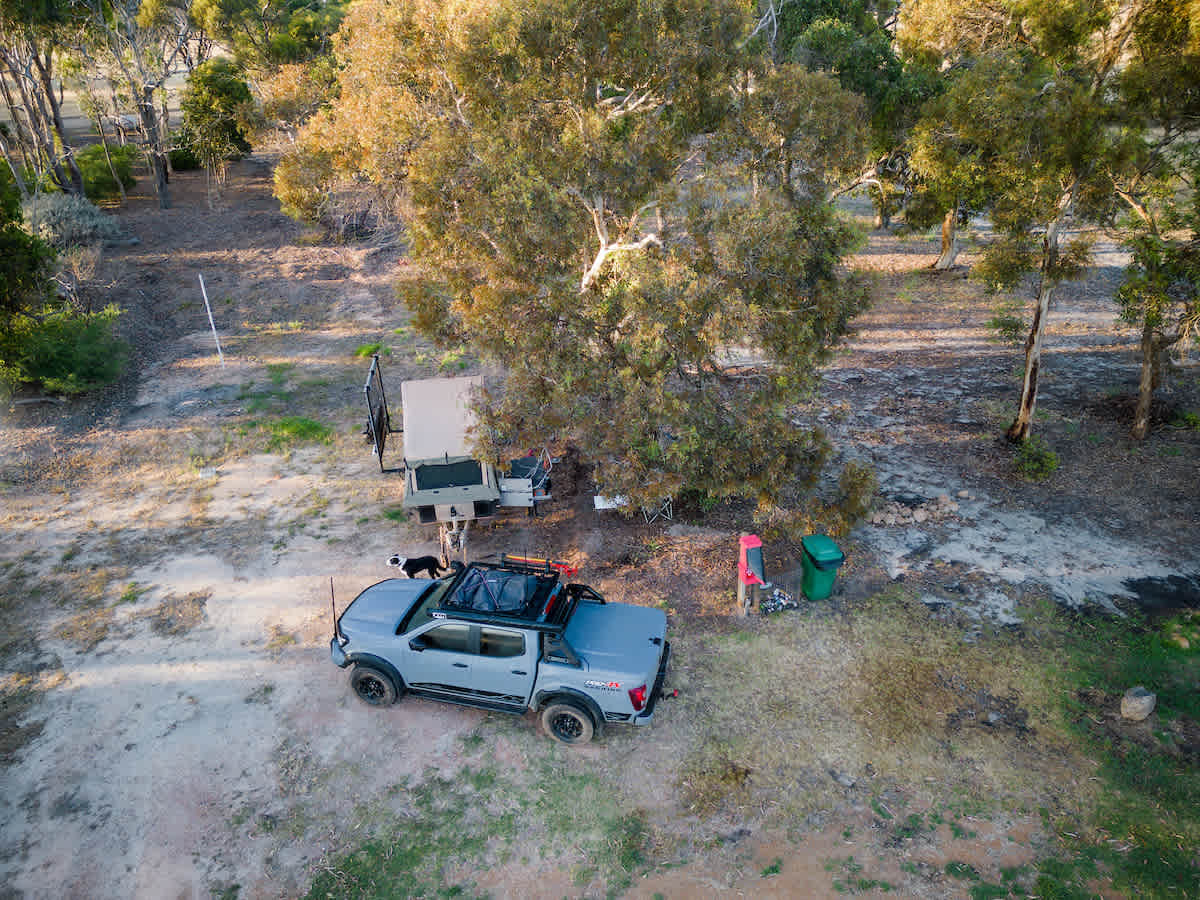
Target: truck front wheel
<point x="372" y="686"/>
<point x="567" y="723"/>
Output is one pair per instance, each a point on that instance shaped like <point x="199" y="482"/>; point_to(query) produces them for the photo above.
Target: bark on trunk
<point x="949" y="240"/>
<point x="158" y="158"/>
<point x="1018" y="431"/>
<point x="47" y="82"/>
<point x="108" y="157"/>
<point x="16" y="171"/>
<point x="1146" y="384"/>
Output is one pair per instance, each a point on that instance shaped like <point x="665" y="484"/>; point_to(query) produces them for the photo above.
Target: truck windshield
<point x="429" y="600"/>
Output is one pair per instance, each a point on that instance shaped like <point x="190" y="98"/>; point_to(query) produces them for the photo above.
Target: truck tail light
<point x="637" y="696"/>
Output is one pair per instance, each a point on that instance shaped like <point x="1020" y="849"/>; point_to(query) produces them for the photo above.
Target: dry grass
<point x="178" y="615"/>
<point x="887" y="696"/>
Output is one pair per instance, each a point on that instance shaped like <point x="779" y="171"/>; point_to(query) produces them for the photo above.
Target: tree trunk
<point x="1146" y="384"/>
<point x="1018" y="431"/>
<point x="883" y="214"/>
<point x="949" y="240"/>
<point x="108" y="157"/>
<point x="47" y="82"/>
<point x="158" y="158"/>
<point x="16" y="172"/>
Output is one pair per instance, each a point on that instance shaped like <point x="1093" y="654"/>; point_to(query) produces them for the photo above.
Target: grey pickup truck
<point x="507" y="637"/>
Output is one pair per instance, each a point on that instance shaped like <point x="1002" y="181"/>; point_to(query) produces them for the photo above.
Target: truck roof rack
<point x="518" y="591"/>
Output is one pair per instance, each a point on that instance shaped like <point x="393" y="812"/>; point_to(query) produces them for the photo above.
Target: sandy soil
<point x="168" y="574"/>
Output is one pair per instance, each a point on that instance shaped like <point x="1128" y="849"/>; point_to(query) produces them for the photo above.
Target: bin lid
<point x="823" y="550"/>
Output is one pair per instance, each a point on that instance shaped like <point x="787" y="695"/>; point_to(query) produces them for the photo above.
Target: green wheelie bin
<point x="821" y="560"/>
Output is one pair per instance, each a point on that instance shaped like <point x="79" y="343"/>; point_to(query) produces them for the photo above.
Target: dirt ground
<point x="174" y="728"/>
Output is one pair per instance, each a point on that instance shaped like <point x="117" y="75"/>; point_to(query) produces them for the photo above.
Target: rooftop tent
<point x="437" y="417"/>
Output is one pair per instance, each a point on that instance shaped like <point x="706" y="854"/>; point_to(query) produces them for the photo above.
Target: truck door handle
<point x="519" y="672"/>
<point x="460" y="665"/>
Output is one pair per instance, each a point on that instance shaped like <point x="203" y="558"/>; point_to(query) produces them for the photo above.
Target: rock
<point x="920" y="515"/>
<point x="1137" y="703"/>
<point x="846" y="781"/>
<point x="963" y="495"/>
<point x="943" y="499"/>
<point x="890" y="519"/>
<point x="952" y="506"/>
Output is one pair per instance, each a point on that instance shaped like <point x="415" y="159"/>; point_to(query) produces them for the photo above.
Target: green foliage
<point x="1034" y="460"/>
<point x="10" y="197"/>
<point x="25" y="268"/>
<point x="1186" y="419"/>
<point x="267" y="34"/>
<point x="64" y="351"/>
<point x="67" y="220"/>
<point x="98" y="180"/>
<point x="540" y="164"/>
<point x="1007" y="325"/>
<point x="365" y="350"/>
<point x="961" y="870"/>
<point x="181" y="155"/>
<point x="291" y="430"/>
<point x="216" y="106"/>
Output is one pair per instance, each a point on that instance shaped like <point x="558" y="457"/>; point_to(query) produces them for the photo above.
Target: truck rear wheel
<point x="567" y="723"/>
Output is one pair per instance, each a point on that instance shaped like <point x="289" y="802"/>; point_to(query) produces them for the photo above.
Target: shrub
<point x="65" y="220"/>
<point x="98" y="180"/>
<point x="25" y="265"/>
<point x="1007" y="326"/>
<point x="214" y="109"/>
<point x="64" y="351"/>
<point x="1035" y="460"/>
<point x="182" y="157"/>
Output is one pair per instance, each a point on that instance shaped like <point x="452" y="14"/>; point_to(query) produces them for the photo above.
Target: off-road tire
<point x="568" y="723"/>
<point x="372" y="686"/>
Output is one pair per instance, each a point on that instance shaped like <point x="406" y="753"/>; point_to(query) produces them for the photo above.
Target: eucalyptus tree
<point x="616" y="201"/>
<point x="1154" y="170"/>
<point x="1023" y="126"/>
<point x="143" y="43"/>
<point x="31" y="33"/>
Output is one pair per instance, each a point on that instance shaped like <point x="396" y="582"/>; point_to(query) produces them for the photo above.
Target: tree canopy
<point x="614" y="202"/>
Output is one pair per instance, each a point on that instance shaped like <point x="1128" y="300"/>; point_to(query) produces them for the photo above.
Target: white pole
<point x="211" y="324"/>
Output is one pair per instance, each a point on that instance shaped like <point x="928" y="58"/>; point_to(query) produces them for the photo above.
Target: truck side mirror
<point x="417" y="643"/>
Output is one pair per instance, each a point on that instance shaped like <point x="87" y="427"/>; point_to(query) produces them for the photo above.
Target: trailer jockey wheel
<point x="454" y="542"/>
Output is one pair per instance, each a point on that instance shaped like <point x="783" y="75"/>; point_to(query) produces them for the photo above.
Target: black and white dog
<point x="429" y="564"/>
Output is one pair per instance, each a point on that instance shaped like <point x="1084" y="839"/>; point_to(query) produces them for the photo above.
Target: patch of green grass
<point x="961" y="870"/>
<point x="278" y="373"/>
<point x="1034" y="460"/>
<point x="961" y="833"/>
<point x="365" y="350"/>
<point x="132" y="592"/>
<point x="396" y="514"/>
<point x="774" y="868"/>
<point x="1151" y="792"/>
<point x="1186" y="419"/>
<point x="290" y="430"/>
<point x="454" y="361"/>
<point x="1007" y="326"/>
<point x="880" y="810"/>
<point x="855" y="883"/>
<point x="471" y="819"/>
